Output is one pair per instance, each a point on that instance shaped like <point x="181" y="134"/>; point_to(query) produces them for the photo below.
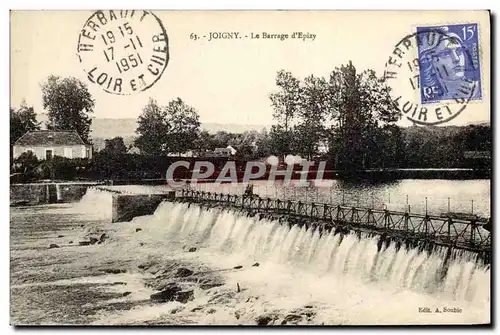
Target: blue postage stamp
<point x="449" y="63"/>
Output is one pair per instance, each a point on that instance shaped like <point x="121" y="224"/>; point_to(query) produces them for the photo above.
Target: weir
<point x="229" y="230"/>
<point x="227" y="236"/>
<point x="413" y="230"/>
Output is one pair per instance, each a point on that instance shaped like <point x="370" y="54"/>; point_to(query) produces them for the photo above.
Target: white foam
<point x="347" y="280"/>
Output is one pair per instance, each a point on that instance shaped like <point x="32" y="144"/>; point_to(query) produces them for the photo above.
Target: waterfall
<point x="95" y="204"/>
<point x="236" y="234"/>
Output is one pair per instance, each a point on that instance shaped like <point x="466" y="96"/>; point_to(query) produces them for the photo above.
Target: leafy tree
<point x="152" y="129"/>
<point x="22" y="121"/>
<point x="313" y="109"/>
<point x="205" y="141"/>
<point x="285" y="104"/>
<point x="115" y="146"/>
<point x="347" y="110"/>
<point x="222" y="139"/>
<point x="183" y="126"/>
<point x="26" y="162"/>
<point x="279" y="140"/>
<point x="170" y="129"/>
<point x="263" y="144"/>
<point x="360" y="104"/>
<point x="68" y="102"/>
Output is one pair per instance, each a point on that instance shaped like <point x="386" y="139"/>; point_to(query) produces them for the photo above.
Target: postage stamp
<point x="434" y="73"/>
<point x="123" y="51"/>
<point x="449" y="62"/>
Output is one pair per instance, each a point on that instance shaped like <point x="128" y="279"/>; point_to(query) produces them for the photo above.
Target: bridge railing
<point x="467" y="234"/>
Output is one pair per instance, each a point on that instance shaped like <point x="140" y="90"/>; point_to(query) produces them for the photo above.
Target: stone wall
<point x="29" y="193"/>
<point x="43" y="193"/>
<point x="128" y="206"/>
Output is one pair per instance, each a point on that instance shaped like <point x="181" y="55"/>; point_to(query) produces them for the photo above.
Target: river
<point x="464" y="196"/>
<point x="266" y="272"/>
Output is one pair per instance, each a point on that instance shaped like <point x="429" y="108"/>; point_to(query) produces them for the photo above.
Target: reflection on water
<point x="434" y="196"/>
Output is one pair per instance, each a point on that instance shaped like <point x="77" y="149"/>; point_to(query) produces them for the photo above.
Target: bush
<point x="63" y="168"/>
<point x="26" y="164"/>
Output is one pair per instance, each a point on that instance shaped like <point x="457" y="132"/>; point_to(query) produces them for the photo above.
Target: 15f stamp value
<point x="123" y="51"/>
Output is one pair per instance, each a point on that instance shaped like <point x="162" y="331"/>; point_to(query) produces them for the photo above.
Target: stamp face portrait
<point x="435" y="72"/>
<point x="449" y="63"/>
<point x="123" y="51"/>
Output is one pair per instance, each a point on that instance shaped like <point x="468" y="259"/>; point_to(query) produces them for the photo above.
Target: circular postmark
<point x="434" y="73"/>
<point x="123" y="51"/>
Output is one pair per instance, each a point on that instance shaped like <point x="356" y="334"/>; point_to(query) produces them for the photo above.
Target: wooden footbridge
<point x="409" y="228"/>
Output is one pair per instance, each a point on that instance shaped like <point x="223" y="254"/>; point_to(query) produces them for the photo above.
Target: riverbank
<point x="65" y="269"/>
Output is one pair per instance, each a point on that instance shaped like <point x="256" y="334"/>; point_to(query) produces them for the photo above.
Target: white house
<point x="46" y="144"/>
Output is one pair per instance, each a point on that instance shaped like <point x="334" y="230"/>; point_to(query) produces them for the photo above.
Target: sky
<point x="229" y="80"/>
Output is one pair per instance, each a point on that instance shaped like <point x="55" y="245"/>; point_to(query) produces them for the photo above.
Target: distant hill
<point x="108" y="128"/>
<point x="103" y="128"/>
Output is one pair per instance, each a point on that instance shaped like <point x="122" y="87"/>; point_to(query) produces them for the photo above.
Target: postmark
<point x="123" y="51"/>
<point x="434" y="73"/>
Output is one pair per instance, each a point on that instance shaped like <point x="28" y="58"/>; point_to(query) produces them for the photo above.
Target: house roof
<point x="49" y="137"/>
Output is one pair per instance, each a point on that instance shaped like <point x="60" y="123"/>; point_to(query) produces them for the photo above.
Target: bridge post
<point x="450" y="222"/>
<point x="386" y="219"/>
<point x="426" y="222"/>
<point x="473" y="226"/>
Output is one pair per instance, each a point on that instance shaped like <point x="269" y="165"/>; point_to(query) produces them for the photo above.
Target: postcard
<point x="250" y="168"/>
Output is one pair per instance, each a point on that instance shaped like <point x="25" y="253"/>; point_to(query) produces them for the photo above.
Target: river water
<point x="464" y="196"/>
<point x="302" y="277"/>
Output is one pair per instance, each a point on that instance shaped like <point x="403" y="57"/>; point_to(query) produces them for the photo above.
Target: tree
<point x="222" y="139"/>
<point x="22" y="121"/>
<point x="205" y="141"/>
<point x="312" y="111"/>
<point x="279" y="140"/>
<point x="263" y="144"/>
<point x="152" y="129"/>
<point x="26" y="162"/>
<point x="244" y="144"/>
<point x="361" y="103"/>
<point x="68" y="102"/>
<point x="170" y="129"/>
<point x="115" y="146"/>
<point x="346" y="110"/>
<point x="183" y="126"/>
<point x="285" y="104"/>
